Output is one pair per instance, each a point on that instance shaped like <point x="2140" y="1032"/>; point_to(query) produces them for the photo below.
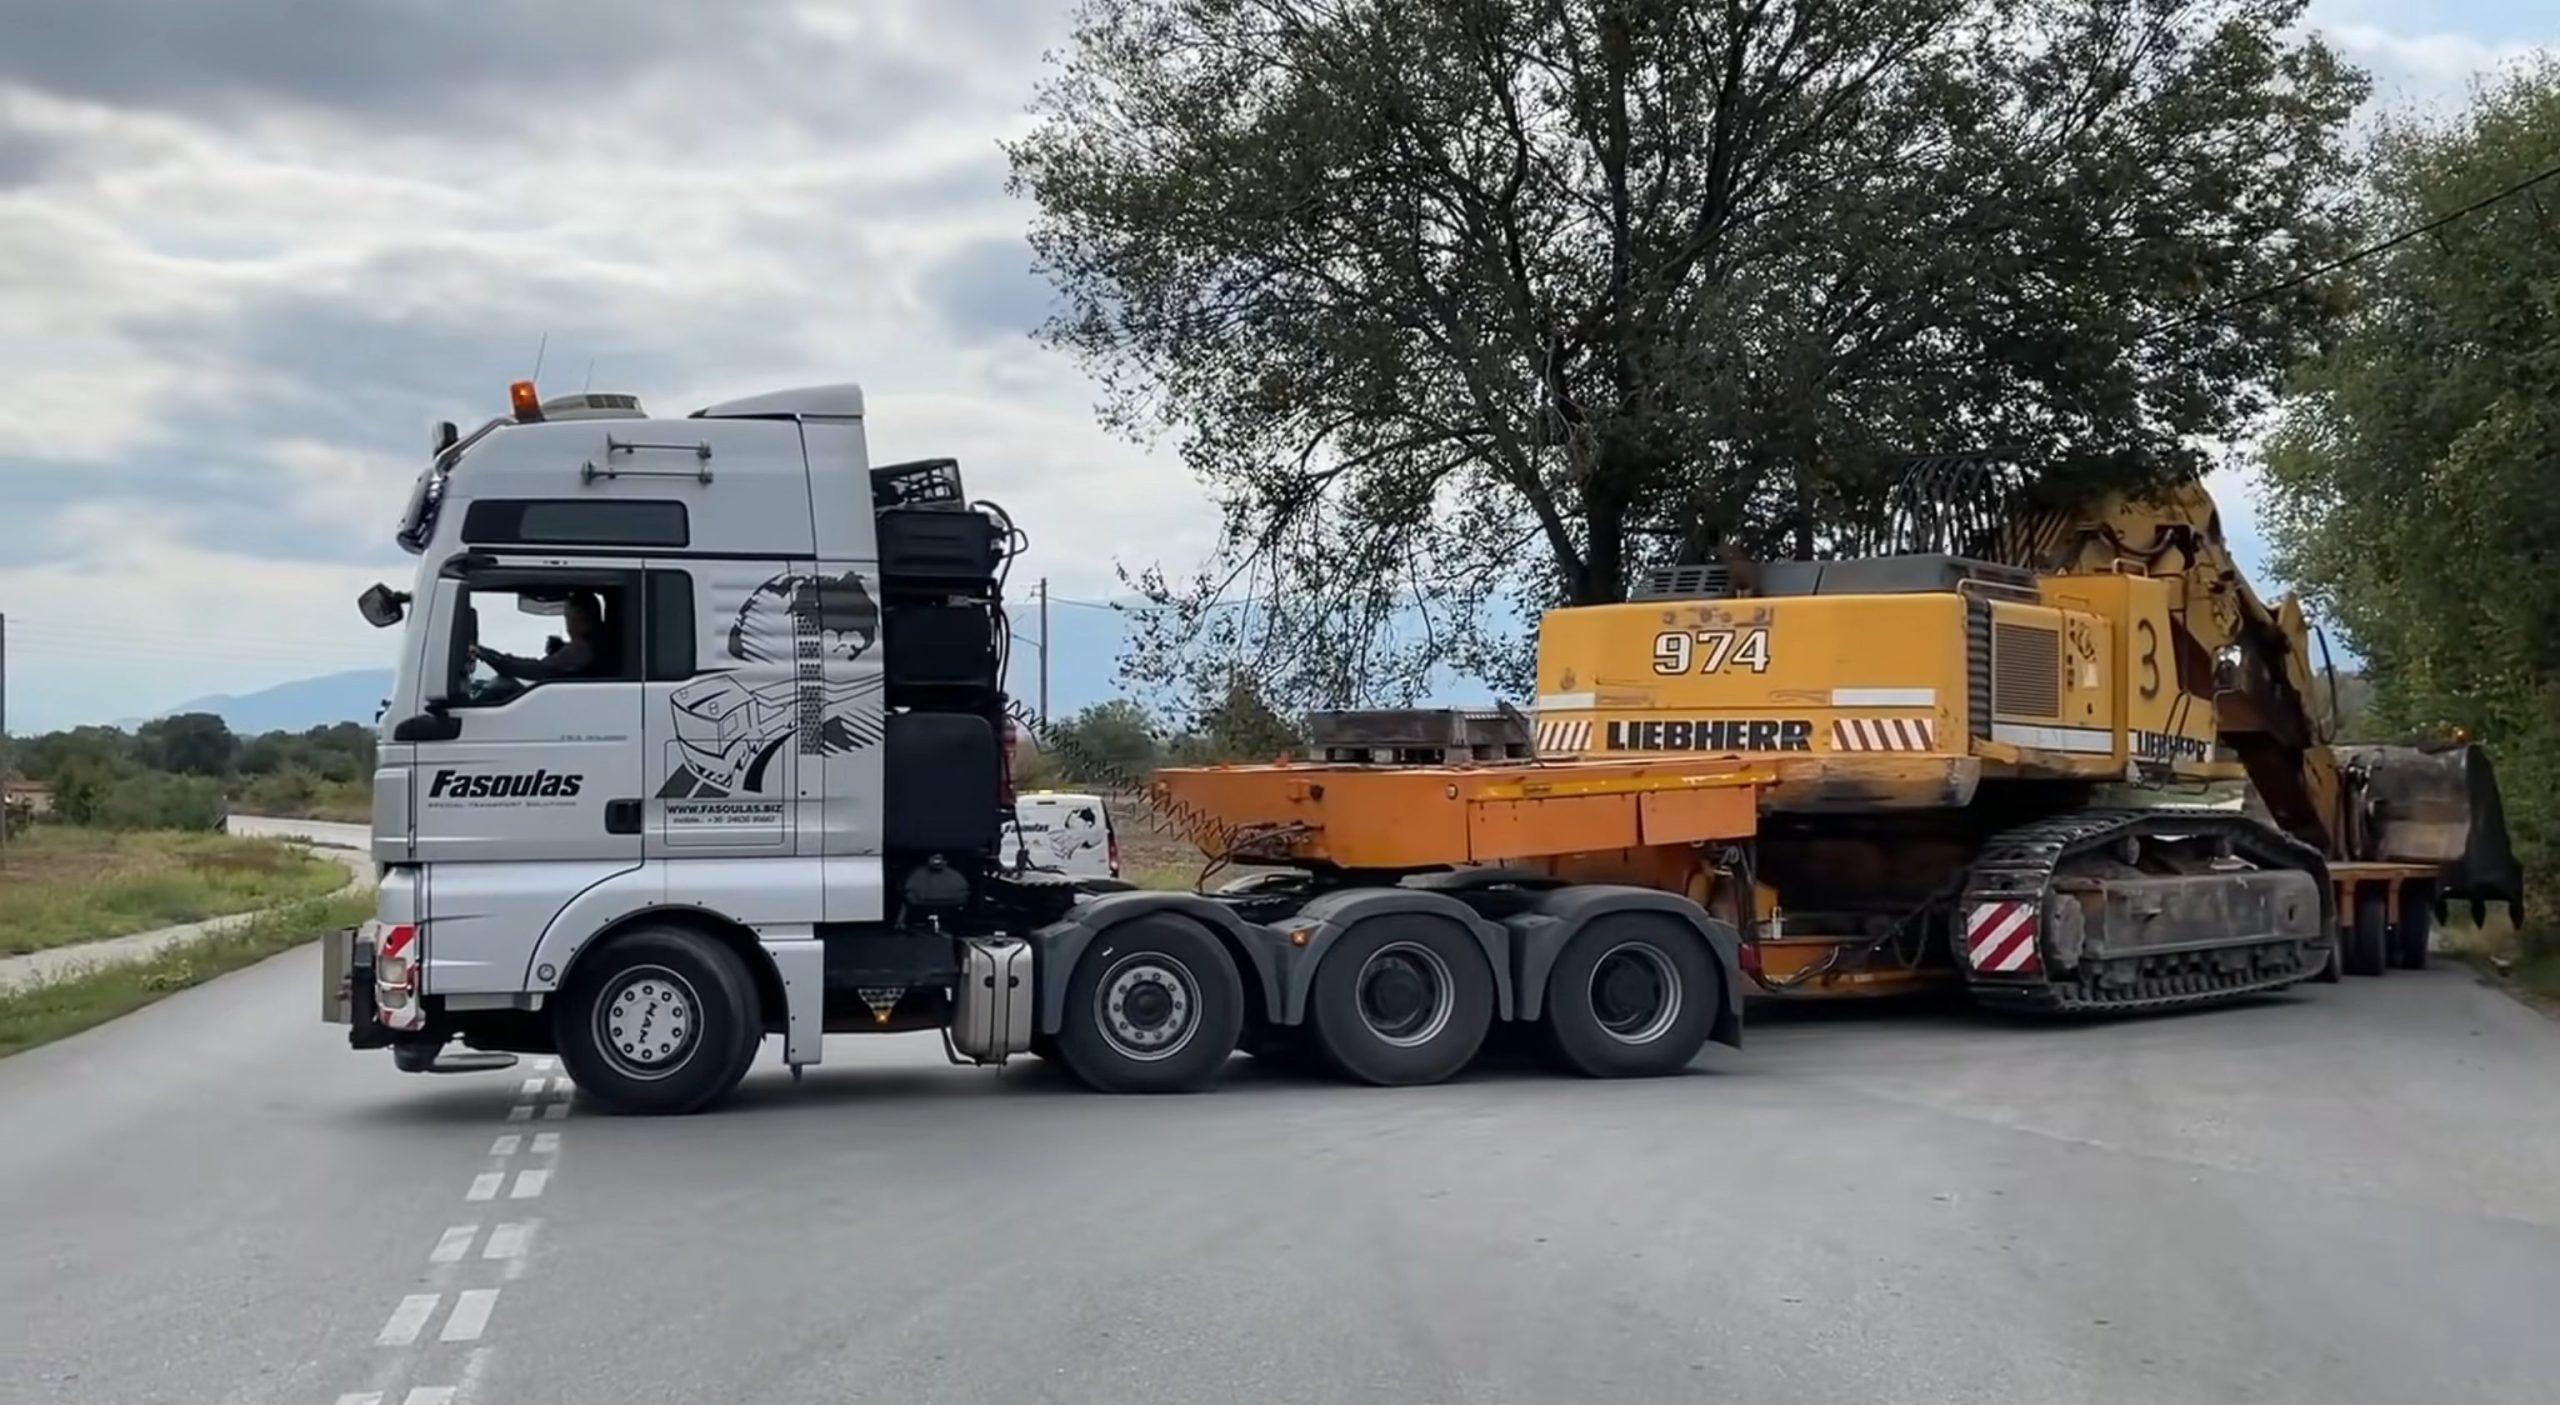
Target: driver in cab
<point x="582" y="614"/>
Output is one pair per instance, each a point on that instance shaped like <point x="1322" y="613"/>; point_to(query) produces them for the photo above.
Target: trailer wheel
<point x="1400" y="1000"/>
<point x="1155" y="1006"/>
<point x="662" y="1020"/>
<point x="2417" y="926"/>
<point x="1632" y="996"/>
<point x="2369" y="940"/>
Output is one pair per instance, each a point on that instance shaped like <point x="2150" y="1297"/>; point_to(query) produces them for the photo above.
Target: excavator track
<point x="2018" y="868"/>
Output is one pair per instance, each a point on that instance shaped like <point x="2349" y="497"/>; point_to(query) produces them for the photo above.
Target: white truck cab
<point x="698" y="737"/>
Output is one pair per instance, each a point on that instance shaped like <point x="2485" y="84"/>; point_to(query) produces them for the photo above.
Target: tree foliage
<point x="2415" y="483"/>
<point x="1461" y="308"/>
<point x="189" y="743"/>
<point x="176" y="772"/>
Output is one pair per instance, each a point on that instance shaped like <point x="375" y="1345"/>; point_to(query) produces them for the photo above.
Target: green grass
<point x="293" y="795"/>
<point x="61" y="885"/>
<point x="40" y="1014"/>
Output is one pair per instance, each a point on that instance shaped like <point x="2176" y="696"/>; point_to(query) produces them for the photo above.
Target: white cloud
<point x="239" y="287"/>
<point x="243" y="263"/>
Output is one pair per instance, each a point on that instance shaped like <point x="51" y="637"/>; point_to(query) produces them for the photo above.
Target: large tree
<point x="2415" y="482"/>
<point x="1461" y="308"/>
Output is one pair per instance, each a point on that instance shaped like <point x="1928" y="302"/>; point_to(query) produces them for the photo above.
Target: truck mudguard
<point x="1558" y="915"/>
<point x="1062" y="943"/>
<point x="1329" y="915"/>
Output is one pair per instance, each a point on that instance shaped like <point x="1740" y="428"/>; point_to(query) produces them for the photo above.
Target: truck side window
<point x="670" y="646"/>
<point x="528" y="632"/>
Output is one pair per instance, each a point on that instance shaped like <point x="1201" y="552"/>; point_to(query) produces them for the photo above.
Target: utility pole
<point x="1044" y="651"/>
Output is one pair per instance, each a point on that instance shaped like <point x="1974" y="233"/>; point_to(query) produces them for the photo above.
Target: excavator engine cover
<point x="2435" y="805"/>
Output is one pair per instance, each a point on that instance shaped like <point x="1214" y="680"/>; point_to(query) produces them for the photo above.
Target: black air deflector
<point x="943" y="775"/>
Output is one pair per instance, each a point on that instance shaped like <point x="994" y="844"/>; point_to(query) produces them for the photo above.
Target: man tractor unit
<point x="768" y="793"/>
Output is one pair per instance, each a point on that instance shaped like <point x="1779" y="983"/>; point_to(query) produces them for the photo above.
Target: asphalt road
<point x="322" y="832"/>
<point x="2345" y="1196"/>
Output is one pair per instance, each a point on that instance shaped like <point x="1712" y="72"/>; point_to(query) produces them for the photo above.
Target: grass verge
<point x="61" y="885"/>
<point x="2526" y="962"/>
<point x="39" y="1014"/>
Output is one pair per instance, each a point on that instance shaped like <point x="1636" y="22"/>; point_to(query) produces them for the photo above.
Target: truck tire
<point x="660" y="1021"/>
<point x="1155" y="1006"/>
<point x="2369" y="939"/>
<point x="2417" y="927"/>
<point x="1401" y="1000"/>
<point x="1633" y="995"/>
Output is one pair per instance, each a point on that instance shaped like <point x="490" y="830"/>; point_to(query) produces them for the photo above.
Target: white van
<point x="1067" y="832"/>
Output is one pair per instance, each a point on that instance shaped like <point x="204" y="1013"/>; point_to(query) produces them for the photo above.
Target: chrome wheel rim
<point x="648" y="1022"/>
<point x="1634" y="993"/>
<point x="1147" y="1006"/>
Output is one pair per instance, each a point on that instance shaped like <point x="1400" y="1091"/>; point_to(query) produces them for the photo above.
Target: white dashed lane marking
<point x="455" y="1244"/>
<point x="529" y="1184"/>
<point x="418" y="1395"/>
<point x="542" y="1065"/>
<point x="522" y="1112"/>
<point x="546" y="1143"/>
<point x="470" y="1316"/>
<point x="508" y="1241"/>
<point x="507" y="1145"/>
<point x="533" y="1087"/>
<point x="485" y="1185"/>
<point x="557" y="1112"/>
<point x="408" y="1319"/>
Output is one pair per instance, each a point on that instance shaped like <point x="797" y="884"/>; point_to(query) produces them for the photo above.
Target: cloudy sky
<point x="250" y="249"/>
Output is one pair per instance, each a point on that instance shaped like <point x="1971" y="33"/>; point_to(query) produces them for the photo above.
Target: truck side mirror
<point x="381" y="606"/>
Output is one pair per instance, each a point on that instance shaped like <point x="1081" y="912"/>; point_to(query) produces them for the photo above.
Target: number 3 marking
<point x="2150" y="658"/>
<point x="1673" y="650"/>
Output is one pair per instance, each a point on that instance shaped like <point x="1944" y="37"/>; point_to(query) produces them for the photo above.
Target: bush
<point x="156" y="801"/>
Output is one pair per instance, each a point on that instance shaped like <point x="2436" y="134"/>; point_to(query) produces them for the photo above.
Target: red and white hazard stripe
<point x="2000" y="938"/>
<point x="1883" y="734"/>
<point x="1563" y="738"/>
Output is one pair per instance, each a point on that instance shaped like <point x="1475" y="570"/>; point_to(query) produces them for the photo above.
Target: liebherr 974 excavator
<point x="1955" y="763"/>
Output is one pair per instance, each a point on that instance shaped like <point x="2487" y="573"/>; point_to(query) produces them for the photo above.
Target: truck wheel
<point x="1155" y="1006"/>
<point x="2417" y="926"/>
<point x="1632" y="996"/>
<point x="663" y="1020"/>
<point x="1401" y="1000"/>
<point x="2369" y="940"/>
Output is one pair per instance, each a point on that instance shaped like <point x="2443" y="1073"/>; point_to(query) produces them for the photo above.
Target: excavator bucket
<point x="2439" y="806"/>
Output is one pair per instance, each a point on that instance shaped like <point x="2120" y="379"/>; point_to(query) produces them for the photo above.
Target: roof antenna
<point x="591" y="377"/>
<point x="539" y="348"/>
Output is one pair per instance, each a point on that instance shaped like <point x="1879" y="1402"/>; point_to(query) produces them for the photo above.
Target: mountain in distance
<point x="299" y="706"/>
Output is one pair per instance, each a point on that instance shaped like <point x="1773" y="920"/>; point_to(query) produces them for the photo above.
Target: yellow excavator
<point x="1961" y="764"/>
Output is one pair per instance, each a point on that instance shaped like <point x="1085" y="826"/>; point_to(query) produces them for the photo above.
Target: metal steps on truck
<point x="2003" y="935"/>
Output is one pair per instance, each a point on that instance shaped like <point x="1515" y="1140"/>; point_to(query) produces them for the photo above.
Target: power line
<point x="2359" y="255"/>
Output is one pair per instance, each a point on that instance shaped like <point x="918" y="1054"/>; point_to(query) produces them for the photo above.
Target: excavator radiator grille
<point x="2026" y="670"/>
